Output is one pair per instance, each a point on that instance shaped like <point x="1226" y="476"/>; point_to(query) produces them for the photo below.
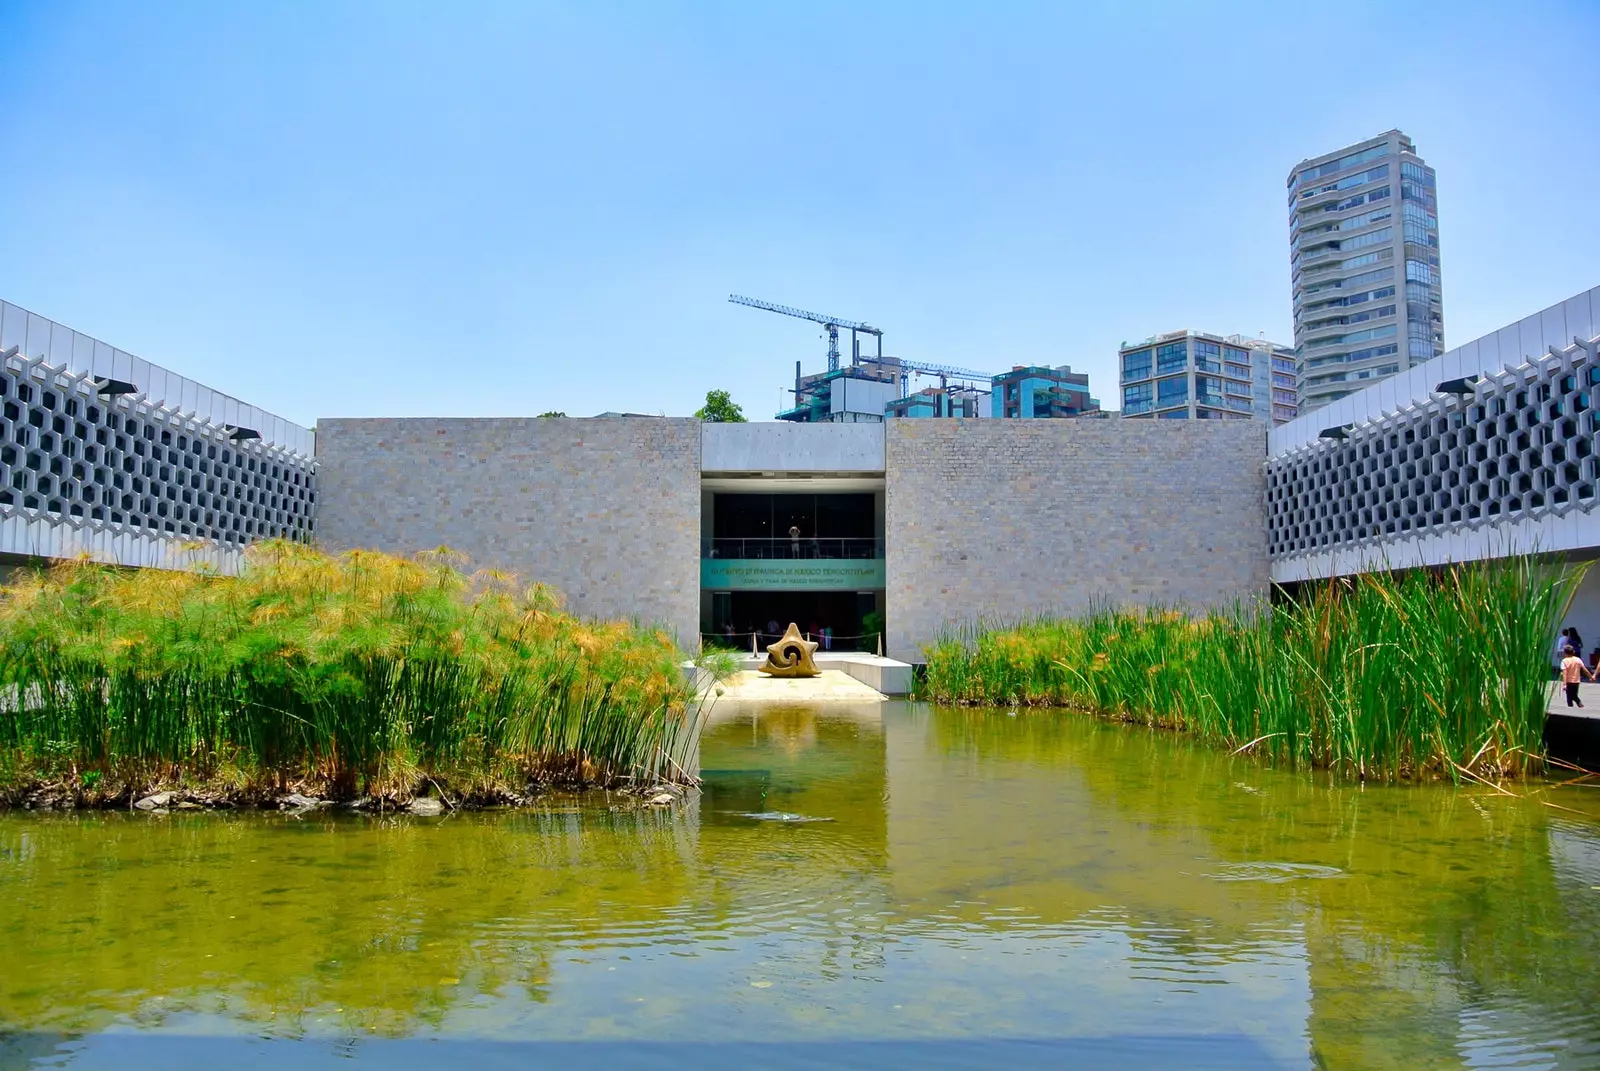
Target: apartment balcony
<point x="1321" y="333"/>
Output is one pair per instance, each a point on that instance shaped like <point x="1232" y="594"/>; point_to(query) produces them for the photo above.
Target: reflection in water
<point x="978" y="875"/>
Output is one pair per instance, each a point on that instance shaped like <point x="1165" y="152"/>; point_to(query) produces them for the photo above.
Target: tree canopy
<point x="720" y="408"/>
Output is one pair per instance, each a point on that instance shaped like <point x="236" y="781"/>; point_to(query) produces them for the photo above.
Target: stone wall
<point x="606" y="510"/>
<point x="995" y="520"/>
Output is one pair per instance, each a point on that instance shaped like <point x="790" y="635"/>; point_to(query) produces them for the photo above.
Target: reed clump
<point x="357" y="674"/>
<point x="1388" y="675"/>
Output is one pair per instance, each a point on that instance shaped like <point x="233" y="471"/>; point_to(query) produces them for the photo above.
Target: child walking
<point x="1572" y="671"/>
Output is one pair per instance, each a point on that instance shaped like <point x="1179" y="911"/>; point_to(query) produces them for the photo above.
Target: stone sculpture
<point x="791" y="656"/>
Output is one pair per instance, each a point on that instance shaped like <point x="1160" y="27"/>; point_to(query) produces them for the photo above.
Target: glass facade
<point x="1171" y="357"/>
<point x="1034" y="391"/>
<point x="1230" y="377"/>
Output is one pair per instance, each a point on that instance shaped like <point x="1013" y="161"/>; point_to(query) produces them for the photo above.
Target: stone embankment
<point x="61" y="797"/>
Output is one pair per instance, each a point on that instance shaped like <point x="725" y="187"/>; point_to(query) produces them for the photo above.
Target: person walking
<point x="1572" y="671"/>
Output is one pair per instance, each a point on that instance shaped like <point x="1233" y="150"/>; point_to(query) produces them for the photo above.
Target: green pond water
<point x="988" y="889"/>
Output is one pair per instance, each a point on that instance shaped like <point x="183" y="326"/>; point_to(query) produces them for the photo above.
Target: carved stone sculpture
<point x="791" y="656"/>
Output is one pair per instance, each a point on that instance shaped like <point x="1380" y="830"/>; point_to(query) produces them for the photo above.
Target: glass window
<point x="1416" y="173"/>
<point x="1176" y="414"/>
<point x="1380" y="275"/>
<point x="1370" y="333"/>
<point x="1136" y="365"/>
<point x="1143" y="392"/>
<point x="1172" y="356"/>
<point x="1415" y="213"/>
<point x="1416" y="232"/>
<point x="1361" y="241"/>
<point x="1364" y="259"/>
<point x="1370" y="314"/>
<point x="1412" y="192"/>
<point x="1374" y="351"/>
<point x="1172" y="391"/>
<point x="1418" y="272"/>
<point x="1355" y="223"/>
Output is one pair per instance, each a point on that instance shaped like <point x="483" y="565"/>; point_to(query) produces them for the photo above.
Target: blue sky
<point x="394" y="208"/>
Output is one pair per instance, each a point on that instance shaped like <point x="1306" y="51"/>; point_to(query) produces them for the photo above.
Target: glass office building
<point x="1364" y="266"/>
<point x="1192" y="375"/>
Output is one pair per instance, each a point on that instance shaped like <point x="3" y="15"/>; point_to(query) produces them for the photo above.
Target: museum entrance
<point x="837" y="620"/>
<point x="805" y="556"/>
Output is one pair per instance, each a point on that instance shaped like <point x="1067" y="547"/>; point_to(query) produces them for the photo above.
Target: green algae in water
<point x="1044" y="880"/>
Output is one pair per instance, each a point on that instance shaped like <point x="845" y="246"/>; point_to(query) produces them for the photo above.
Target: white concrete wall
<point x="1584" y="614"/>
<point x="1560" y="325"/>
<point x="868" y="397"/>
<point x="780" y="446"/>
<point x="1536" y="353"/>
<point x="38" y="535"/>
<point x="62" y="347"/>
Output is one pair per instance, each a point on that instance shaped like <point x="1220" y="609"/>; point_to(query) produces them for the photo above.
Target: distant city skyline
<point x="280" y="202"/>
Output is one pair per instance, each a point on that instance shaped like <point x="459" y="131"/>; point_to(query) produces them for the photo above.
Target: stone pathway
<point x="1588" y="694"/>
<point x="830" y="685"/>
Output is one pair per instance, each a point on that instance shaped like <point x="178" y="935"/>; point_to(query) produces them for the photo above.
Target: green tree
<point x="720" y="409"/>
<point x="552" y="412"/>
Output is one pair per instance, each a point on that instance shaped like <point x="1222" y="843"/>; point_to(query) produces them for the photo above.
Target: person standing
<point x="1572" y="671"/>
<point x="1563" y="641"/>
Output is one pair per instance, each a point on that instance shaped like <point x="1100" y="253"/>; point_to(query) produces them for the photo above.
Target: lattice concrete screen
<point x="1515" y="444"/>
<point x="92" y="453"/>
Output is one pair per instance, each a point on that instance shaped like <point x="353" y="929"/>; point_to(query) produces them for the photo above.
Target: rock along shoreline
<point x="163" y="801"/>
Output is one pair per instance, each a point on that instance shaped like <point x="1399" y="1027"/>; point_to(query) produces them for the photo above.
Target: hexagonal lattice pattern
<point x="1521" y="444"/>
<point x="70" y="452"/>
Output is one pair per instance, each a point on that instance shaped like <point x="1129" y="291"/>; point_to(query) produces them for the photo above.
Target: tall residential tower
<point x="1364" y="266"/>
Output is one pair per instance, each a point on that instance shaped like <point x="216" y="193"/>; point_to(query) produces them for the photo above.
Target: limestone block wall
<point x="606" y="510"/>
<point x="996" y="520"/>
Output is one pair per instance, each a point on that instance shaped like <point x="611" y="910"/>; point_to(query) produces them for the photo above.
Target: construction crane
<point x="830" y="323"/>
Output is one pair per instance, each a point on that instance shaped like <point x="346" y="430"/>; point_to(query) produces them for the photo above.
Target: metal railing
<point x="792" y="548"/>
<point x="755" y="642"/>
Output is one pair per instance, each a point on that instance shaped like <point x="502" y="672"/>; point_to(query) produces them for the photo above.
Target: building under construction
<point x="860" y="392"/>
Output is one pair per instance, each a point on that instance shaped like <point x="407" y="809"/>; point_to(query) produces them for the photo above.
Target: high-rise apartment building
<point x="1364" y="266"/>
<point x="1192" y="375"/>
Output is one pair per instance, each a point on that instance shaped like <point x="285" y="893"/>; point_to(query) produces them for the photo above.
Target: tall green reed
<point x="1384" y="674"/>
<point x="364" y="670"/>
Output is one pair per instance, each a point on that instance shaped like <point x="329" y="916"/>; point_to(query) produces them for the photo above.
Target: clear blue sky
<point x="482" y="209"/>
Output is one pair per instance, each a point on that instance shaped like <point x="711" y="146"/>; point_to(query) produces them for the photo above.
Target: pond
<point x="875" y="885"/>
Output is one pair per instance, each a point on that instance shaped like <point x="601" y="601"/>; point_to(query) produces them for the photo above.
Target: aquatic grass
<point x="1428" y="672"/>
<point x="366" y="672"/>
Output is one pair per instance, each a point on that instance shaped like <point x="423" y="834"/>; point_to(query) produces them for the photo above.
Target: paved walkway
<point x="1588" y="695"/>
<point x="830" y="686"/>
